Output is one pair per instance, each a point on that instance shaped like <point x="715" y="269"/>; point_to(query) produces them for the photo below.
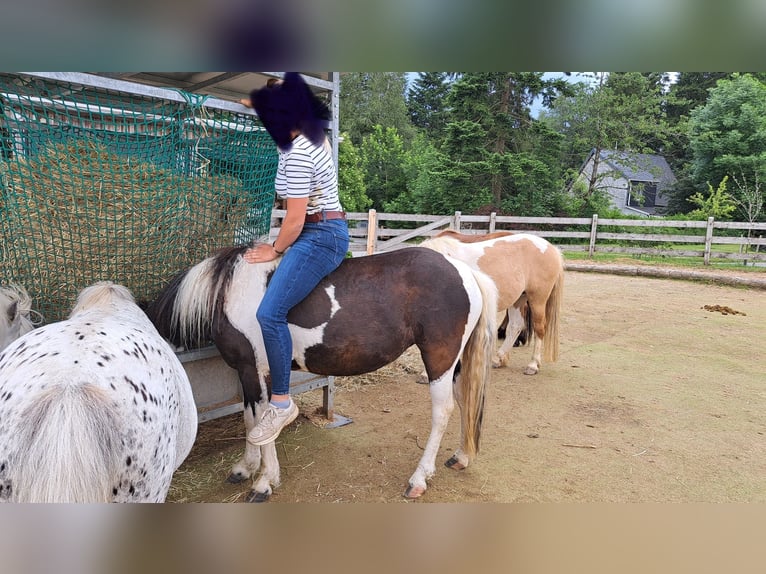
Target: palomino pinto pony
<point x="529" y="274"/>
<point x="96" y="408"/>
<point x="361" y="317"/>
<point x="15" y="313"/>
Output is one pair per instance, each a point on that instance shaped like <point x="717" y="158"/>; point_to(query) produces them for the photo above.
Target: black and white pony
<point x="15" y="314"/>
<point x="361" y="317"/>
<point x="96" y="408"/>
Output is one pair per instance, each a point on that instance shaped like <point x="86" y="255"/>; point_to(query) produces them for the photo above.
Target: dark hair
<point x="291" y="105"/>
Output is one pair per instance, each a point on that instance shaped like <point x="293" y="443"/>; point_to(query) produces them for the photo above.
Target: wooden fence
<point x="375" y="232"/>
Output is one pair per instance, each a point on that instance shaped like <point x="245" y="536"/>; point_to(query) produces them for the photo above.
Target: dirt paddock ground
<point x="659" y="395"/>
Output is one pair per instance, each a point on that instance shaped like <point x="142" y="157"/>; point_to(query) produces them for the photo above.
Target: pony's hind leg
<point x="538" y="325"/>
<point x="459" y="460"/>
<point x="442" y="405"/>
<point x="512" y="331"/>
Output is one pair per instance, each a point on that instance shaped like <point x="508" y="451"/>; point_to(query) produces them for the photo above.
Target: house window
<point x="642" y="194"/>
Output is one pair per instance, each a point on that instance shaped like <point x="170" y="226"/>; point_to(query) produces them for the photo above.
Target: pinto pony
<point x="361" y="317"/>
<point x="96" y="408"/>
<point x="15" y="311"/>
<point x="529" y="274"/>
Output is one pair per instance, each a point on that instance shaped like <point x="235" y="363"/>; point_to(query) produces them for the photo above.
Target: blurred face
<point x="277" y="113"/>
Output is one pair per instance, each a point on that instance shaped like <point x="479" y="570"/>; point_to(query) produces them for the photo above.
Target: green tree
<point x="615" y="111"/>
<point x="690" y="91"/>
<point x="426" y="102"/>
<point x="368" y="99"/>
<point x="351" y="186"/>
<point x="728" y="134"/>
<point x="382" y="159"/>
<point x="717" y="203"/>
<point x="490" y="145"/>
<point x="423" y="166"/>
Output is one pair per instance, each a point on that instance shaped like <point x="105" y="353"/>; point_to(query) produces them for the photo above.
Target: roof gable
<point x="640" y="166"/>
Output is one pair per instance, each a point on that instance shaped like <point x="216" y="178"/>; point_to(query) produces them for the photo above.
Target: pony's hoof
<point x="530" y="371"/>
<point x="413" y="492"/>
<point x="254" y="496"/>
<point x="454" y="463"/>
<point x="236" y="478"/>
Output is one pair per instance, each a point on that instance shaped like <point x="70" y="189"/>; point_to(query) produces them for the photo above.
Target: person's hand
<point x="246" y="102"/>
<point x="260" y="253"/>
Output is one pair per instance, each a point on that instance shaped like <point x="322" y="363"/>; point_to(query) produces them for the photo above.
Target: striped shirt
<point x="307" y="170"/>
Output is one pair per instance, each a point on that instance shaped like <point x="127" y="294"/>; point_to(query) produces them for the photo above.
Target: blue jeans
<point x="319" y="249"/>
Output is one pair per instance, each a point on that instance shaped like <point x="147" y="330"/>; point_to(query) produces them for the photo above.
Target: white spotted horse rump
<point x="96" y="408"/>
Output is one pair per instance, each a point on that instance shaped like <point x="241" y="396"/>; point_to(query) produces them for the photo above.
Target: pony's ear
<point x="12" y="311"/>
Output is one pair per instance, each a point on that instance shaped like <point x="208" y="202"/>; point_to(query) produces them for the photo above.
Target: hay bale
<point x="76" y="213"/>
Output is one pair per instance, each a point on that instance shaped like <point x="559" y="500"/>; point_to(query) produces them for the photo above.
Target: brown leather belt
<point x="317" y="217"/>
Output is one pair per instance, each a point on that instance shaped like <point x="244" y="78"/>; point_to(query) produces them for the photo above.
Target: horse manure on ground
<point x="722" y="309"/>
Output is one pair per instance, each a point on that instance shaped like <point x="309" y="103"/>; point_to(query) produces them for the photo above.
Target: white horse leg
<point x="538" y="328"/>
<point x="512" y="331"/>
<point x="537" y="356"/>
<point x="459" y="460"/>
<point x="265" y="457"/>
<point x="442" y="405"/>
<point x="262" y="488"/>
<point x="250" y="462"/>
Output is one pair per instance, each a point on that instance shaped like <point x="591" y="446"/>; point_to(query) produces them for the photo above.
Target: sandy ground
<point x="654" y="398"/>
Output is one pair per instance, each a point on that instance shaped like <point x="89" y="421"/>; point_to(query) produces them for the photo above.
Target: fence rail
<point x="374" y="232"/>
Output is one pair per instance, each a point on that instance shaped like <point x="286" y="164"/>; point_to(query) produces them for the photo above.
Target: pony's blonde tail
<point x="69" y="448"/>
<point x="476" y="367"/>
<point x="552" y="314"/>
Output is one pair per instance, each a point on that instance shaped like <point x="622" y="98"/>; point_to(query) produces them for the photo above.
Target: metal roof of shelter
<point x="223" y="89"/>
<point x="224" y="85"/>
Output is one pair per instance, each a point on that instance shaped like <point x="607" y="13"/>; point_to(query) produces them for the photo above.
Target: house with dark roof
<point x="636" y="183"/>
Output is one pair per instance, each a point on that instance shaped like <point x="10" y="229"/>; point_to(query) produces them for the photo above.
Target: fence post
<point x="593" y="227"/>
<point x="492" y="222"/>
<point x="372" y="231"/>
<point x="708" y="239"/>
<point x="456" y="221"/>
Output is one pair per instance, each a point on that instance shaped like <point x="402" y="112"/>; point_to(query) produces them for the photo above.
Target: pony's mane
<point x="222" y="265"/>
<point x="13" y="292"/>
<point x="27" y="317"/>
<point x="471" y="238"/>
<point x="190" y="303"/>
<point x="101" y="294"/>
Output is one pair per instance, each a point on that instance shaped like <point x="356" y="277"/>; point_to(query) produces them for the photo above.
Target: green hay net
<point x="98" y="184"/>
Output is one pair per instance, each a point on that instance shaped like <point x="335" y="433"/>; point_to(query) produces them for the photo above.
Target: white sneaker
<point x="271" y="424"/>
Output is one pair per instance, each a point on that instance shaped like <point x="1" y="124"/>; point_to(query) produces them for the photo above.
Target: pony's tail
<point x="476" y="367"/>
<point x="552" y="315"/>
<point x="69" y="448"/>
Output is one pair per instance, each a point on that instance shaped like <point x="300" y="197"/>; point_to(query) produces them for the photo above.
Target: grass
<point x="664" y="260"/>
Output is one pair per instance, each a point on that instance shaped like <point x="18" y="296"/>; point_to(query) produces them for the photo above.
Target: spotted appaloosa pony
<point x="15" y="310"/>
<point x="361" y="317"/>
<point x="529" y="274"/>
<point x="96" y="408"/>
